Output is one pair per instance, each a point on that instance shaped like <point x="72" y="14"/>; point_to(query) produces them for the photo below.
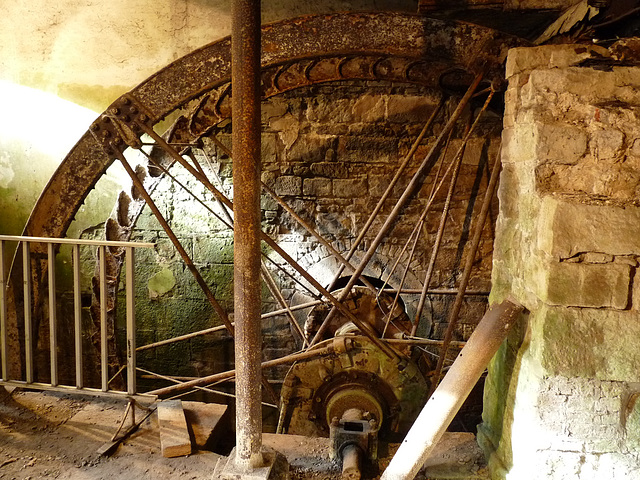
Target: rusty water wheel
<point x="195" y="89"/>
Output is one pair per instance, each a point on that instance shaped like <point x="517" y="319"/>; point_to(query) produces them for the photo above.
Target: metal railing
<point x="54" y="384"/>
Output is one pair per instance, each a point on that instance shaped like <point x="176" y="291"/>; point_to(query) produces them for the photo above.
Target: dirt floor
<point x="50" y="435"/>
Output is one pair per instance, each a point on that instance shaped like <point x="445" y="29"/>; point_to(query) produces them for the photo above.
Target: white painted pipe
<point x="445" y="402"/>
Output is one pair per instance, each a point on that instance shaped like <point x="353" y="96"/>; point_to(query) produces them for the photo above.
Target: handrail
<point x="74" y="241"/>
<point x="29" y="340"/>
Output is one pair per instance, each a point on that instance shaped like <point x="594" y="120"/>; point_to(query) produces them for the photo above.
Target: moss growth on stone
<point x="161" y="283"/>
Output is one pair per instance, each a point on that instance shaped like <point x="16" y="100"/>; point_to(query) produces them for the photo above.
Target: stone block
<point x="519" y="144"/>
<point x="311" y="148"/>
<point x="369" y="108"/>
<point x="586" y="343"/>
<point x="473" y="151"/>
<point x="288" y="185"/>
<point x="335" y="110"/>
<point x="606" y="143"/>
<point x="588" y="285"/>
<point x="560" y="143"/>
<point x="350" y="188"/>
<point x="525" y="59"/>
<point x="362" y="148"/>
<point x="209" y="250"/>
<point x="409" y="109"/>
<point x="378" y="185"/>
<point x="319" y="187"/>
<point x="567" y="229"/>
<point x="330" y="169"/>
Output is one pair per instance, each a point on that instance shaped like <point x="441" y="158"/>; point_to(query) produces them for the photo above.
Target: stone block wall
<point x="561" y="395"/>
<point x="330" y="152"/>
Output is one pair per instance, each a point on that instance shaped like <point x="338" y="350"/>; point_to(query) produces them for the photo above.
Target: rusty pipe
<point x="246" y="131"/>
<point x="277" y="294"/>
<point x="443" y="405"/>
<point x="138" y="185"/>
<point x="351" y="462"/>
<point x="443" y="218"/>
<point x="231" y="373"/>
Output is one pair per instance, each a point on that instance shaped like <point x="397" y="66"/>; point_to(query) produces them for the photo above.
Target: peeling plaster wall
<point x="561" y="394"/>
<point x="90" y="52"/>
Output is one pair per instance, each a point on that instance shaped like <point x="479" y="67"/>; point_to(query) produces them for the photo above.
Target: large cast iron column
<point x="245" y="54"/>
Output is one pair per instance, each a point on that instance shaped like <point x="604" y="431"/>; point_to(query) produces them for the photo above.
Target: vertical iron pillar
<point x="245" y="71"/>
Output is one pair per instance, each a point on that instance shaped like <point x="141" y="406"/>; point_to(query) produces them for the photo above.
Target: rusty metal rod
<point x="434" y="190"/>
<point x="439" y="291"/>
<point x="389" y="189"/>
<point x="177" y="381"/>
<point x="439" y="411"/>
<point x="415" y="182"/>
<point x="275" y="292"/>
<point x="304" y="224"/>
<point x="421" y="341"/>
<point x="246" y="140"/>
<point x="176" y="243"/>
<point x="473" y="248"/>
<point x="365" y="328"/>
<point x="224" y="209"/>
<point x="294" y="357"/>
<point x="443" y="219"/>
<point x="185" y="256"/>
<point x="396" y="297"/>
<point x="229" y="223"/>
<point x="415" y="233"/>
<point x="307" y="226"/>
<point x="229" y="219"/>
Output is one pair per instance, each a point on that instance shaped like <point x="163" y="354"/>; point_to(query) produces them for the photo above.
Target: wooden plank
<point x="174" y="433"/>
<point x="204" y="419"/>
<point x="108" y="448"/>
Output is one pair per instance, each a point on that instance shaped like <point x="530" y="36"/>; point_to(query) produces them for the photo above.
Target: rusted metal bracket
<point x="119" y="127"/>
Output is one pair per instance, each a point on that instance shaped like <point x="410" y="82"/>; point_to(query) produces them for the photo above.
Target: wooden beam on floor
<point x="174" y="433"/>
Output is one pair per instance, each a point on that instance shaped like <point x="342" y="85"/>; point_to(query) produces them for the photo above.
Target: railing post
<point x="104" y="348"/>
<point x="53" y="330"/>
<point x="3" y="316"/>
<point x="77" y="314"/>
<point x="28" y="341"/>
<point x="131" y="321"/>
